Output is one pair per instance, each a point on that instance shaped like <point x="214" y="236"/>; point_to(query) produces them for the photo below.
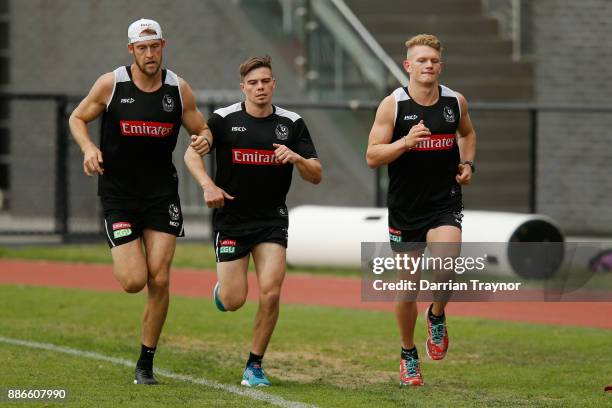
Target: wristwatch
<point x="471" y="163"/>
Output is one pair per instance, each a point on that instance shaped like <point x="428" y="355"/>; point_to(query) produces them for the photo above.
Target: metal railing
<point x="339" y="57"/>
<point x="399" y="75"/>
<point x="62" y="139"/>
<point x="514" y="18"/>
<point x="63" y="105"/>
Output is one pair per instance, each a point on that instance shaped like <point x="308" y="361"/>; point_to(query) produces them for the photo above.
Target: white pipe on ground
<point x="332" y="236"/>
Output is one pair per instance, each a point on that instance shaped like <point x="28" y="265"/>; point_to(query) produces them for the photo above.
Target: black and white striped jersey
<point x="248" y="169"/>
<point x="139" y="134"/>
<point x="422" y="181"/>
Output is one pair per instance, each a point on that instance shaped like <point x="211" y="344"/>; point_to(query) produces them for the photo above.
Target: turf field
<point x="318" y="356"/>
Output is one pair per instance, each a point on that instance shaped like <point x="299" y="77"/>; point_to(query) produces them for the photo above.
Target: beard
<point x="143" y="68"/>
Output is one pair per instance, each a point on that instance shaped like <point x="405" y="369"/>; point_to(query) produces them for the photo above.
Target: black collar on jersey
<point x="129" y="72"/>
<point x="437" y="102"/>
<point x="243" y="106"/>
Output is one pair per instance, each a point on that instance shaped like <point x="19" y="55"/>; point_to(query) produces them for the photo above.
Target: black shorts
<point x="412" y="239"/>
<point x="125" y="219"/>
<point x="230" y="246"/>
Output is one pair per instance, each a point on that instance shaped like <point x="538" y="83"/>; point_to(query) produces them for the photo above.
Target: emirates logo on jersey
<point x="145" y="129"/>
<point x="437" y="142"/>
<point x="255" y="156"/>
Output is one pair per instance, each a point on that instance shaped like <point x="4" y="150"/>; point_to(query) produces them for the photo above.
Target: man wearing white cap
<point x="142" y="108"/>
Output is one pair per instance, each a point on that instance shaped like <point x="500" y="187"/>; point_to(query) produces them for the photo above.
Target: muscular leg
<point x="270" y="263"/>
<point x="160" y="248"/>
<point x="233" y="283"/>
<point x="406" y="311"/>
<point x="130" y="266"/>
<point x="452" y="236"/>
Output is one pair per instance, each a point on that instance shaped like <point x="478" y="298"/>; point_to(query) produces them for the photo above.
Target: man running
<point x="257" y="146"/>
<point x="142" y="108"/>
<point x="415" y="134"/>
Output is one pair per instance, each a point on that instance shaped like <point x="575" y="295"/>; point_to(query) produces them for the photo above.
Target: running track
<point x="302" y="289"/>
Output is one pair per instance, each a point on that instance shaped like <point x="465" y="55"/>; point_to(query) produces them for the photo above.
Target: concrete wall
<point x="569" y="43"/>
<point x="573" y="57"/>
<point x="64" y="45"/>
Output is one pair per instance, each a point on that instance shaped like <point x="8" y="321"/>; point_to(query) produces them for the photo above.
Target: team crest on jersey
<point x="282" y="132"/>
<point x="174" y="212"/>
<point x="449" y="114"/>
<point x="458" y="215"/>
<point x="168" y="103"/>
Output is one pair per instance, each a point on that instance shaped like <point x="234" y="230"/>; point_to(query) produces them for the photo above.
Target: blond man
<point x="143" y="107"/>
<point x="424" y="134"/>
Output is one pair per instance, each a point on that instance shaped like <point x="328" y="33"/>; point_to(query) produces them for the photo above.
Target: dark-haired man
<point x="257" y="145"/>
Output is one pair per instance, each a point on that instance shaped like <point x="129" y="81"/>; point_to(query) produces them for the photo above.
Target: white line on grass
<point x="242" y="391"/>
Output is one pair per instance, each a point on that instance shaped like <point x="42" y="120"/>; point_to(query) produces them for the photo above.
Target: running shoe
<point x="254" y="376"/>
<point x="143" y="376"/>
<point x="410" y="372"/>
<point x="437" y="337"/>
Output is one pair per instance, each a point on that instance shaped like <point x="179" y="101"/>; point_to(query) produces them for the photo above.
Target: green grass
<point x="188" y="255"/>
<point x="323" y="356"/>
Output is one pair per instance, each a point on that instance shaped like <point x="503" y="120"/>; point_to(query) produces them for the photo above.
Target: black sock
<point x="434" y="318"/>
<point x="410" y="353"/>
<point x="254" y="359"/>
<point x="145" y="361"/>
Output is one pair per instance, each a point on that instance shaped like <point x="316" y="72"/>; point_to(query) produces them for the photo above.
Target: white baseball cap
<point x="137" y="27"/>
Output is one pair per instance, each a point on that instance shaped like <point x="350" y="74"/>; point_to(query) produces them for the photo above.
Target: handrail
<point x="397" y="73"/>
<point x="344" y="34"/>
<point x="212" y="99"/>
<point x="220" y="97"/>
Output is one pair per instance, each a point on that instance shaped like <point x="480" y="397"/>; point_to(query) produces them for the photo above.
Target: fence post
<point x="61" y="169"/>
<point x="533" y="159"/>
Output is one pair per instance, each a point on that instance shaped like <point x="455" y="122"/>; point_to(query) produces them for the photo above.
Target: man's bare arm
<point x="214" y="197"/>
<point x="194" y="121"/>
<point x="380" y="149"/>
<point x="88" y="110"/>
<point x="309" y="169"/>
<point x="467" y="142"/>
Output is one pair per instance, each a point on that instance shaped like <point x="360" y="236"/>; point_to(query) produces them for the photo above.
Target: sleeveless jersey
<point x="247" y="167"/>
<point x="422" y="181"/>
<point x="139" y="134"/>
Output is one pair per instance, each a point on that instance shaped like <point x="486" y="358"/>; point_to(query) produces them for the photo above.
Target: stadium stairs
<point x="478" y="63"/>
